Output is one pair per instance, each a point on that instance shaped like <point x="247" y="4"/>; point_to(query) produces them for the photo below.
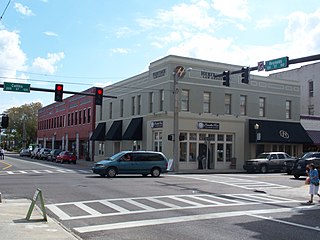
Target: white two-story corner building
<point x="226" y="124"/>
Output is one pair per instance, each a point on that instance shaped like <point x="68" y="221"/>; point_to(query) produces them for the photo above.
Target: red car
<point x="66" y="156"/>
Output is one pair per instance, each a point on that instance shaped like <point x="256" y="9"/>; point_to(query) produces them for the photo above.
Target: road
<point x="173" y="206"/>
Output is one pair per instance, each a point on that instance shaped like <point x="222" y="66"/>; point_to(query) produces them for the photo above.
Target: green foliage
<point x="25" y="115"/>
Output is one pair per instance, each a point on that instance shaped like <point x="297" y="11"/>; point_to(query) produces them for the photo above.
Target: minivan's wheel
<point x="155" y="172"/>
<point x="111" y="172"/>
<point x="296" y="176"/>
<point x="264" y="169"/>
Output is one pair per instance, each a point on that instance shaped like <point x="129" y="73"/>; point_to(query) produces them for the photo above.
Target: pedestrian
<point x="2" y="153"/>
<point x="314" y="182"/>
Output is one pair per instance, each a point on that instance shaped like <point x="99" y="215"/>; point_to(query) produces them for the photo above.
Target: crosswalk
<point x="125" y="206"/>
<point x="248" y="184"/>
<point x="42" y="171"/>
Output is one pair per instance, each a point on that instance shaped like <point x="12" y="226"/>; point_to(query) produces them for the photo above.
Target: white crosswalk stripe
<point x="248" y="184"/>
<point x="51" y="171"/>
<point x="123" y="206"/>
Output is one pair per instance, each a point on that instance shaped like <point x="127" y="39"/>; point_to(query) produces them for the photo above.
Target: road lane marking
<point x="172" y="220"/>
<point x="285" y="222"/>
<point x="8" y="165"/>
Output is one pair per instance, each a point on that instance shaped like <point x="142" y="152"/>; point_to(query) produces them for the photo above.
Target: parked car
<point x="53" y="154"/>
<point x="132" y="162"/>
<point x="290" y="164"/>
<point x="300" y="167"/>
<point x="35" y="152"/>
<point x="66" y="156"/>
<point x="25" y="152"/>
<point x="268" y="161"/>
<point x="43" y="153"/>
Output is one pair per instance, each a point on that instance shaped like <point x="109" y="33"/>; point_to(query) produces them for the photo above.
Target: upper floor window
<point x="185" y="100"/>
<point x="310" y="88"/>
<point x="151" y="102"/>
<point x="84" y="116"/>
<point x="121" y="108"/>
<point x="161" y="93"/>
<point x="133" y="106"/>
<point x="80" y="117"/>
<point x="110" y="110"/>
<point x="139" y="104"/>
<point x="262" y="107"/>
<point x="227" y="104"/>
<point x="89" y="115"/>
<point x="206" y="102"/>
<point x="311" y="110"/>
<point x="243" y="105"/>
<point x="288" y="109"/>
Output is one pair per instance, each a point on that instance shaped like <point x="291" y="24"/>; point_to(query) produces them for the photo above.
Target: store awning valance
<point x="278" y="132"/>
<point x="134" y="130"/>
<point x="315" y="136"/>
<point x="99" y="132"/>
<point x="115" y="131"/>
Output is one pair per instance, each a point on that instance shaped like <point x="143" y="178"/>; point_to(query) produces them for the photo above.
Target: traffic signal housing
<point x="4" y="121"/>
<point x="58" y="93"/>
<point x="245" y="72"/>
<point x="226" y="78"/>
<point x="99" y="96"/>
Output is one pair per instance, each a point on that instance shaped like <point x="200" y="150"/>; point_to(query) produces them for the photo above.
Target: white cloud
<point x="24" y="10"/>
<point x="12" y="58"/>
<point x="236" y="9"/>
<point x="49" y="64"/>
<point x="51" y="34"/>
<point x="120" y="50"/>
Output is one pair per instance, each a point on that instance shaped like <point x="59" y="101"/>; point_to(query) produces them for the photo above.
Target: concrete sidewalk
<point x="13" y="223"/>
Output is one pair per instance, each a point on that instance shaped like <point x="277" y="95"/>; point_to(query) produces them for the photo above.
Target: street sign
<point x="16" y="87"/>
<point x="260" y="66"/>
<point x="276" y="63"/>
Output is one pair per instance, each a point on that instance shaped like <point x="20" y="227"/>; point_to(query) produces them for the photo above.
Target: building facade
<point x="227" y="125"/>
<point x="68" y="125"/>
<point x="308" y="77"/>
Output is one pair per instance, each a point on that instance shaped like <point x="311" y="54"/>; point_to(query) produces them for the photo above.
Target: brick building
<point x="68" y="125"/>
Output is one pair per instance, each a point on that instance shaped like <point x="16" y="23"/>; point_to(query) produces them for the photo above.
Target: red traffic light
<point x="58" y="93"/>
<point x="59" y="87"/>
<point x="99" y="91"/>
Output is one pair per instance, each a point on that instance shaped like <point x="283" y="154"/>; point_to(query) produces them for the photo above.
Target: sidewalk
<point x="13" y="223"/>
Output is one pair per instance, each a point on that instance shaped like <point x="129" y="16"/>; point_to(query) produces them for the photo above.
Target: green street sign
<point x="276" y="64"/>
<point x="16" y="87"/>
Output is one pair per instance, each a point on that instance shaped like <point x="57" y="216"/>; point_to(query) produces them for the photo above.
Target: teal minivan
<point x="132" y="162"/>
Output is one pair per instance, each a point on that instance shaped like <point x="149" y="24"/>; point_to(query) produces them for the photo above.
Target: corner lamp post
<point x="256" y="128"/>
<point x="179" y="73"/>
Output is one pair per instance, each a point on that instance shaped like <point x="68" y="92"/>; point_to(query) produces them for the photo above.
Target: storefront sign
<point x="207" y="125"/>
<point x="159" y="74"/>
<point x="207" y="75"/>
<point x="156" y="124"/>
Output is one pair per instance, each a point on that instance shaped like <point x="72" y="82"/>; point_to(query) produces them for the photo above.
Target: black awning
<point x="315" y="136"/>
<point x="115" y="131"/>
<point x="134" y="130"/>
<point x="99" y="132"/>
<point x="278" y="132"/>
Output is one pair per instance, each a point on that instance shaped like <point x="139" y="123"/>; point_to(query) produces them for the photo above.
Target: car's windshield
<point x="263" y="156"/>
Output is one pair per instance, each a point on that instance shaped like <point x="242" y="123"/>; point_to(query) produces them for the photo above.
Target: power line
<point x="4" y="11"/>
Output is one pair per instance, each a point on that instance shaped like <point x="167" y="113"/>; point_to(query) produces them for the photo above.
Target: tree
<point x="23" y="118"/>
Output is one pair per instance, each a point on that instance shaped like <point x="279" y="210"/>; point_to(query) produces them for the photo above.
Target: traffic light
<point x="58" y="93"/>
<point x="99" y="96"/>
<point x="245" y="71"/>
<point x="226" y="78"/>
<point x="4" y="121"/>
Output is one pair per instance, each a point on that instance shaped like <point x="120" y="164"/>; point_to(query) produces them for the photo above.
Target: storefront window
<point x="157" y="141"/>
<point x="183" y="151"/>
<point x="192" y="151"/>
<point x="193" y="136"/>
<point x="228" y="152"/>
<point x="202" y="136"/>
<point x="220" y="152"/>
<point x="220" y="137"/>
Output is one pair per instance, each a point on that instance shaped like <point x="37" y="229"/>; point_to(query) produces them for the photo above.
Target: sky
<point x="85" y="43"/>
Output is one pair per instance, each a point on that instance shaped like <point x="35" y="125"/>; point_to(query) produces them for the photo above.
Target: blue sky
<point x="84" y="43"/>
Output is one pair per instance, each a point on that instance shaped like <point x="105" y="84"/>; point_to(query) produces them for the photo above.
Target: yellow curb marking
<point x="8" y="165"/>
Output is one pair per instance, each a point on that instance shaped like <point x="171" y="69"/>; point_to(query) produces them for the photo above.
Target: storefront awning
<point x="115" y="131"/>
<point x="134" y="130"/>
<point x="278" y="132"/>
<point x="99" y="132"/>
<point x="315" y="136"/>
